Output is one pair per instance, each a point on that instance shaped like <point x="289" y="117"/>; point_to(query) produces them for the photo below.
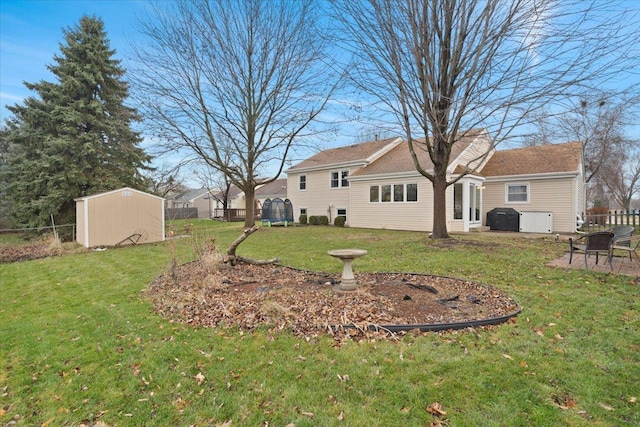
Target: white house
<point x="375" y="184"/>
<point x="202" y="199"/>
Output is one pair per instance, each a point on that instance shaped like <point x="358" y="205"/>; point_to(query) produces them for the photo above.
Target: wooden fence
<point x="180" y="213"/>
<point x="233" y="215"/>
<point x="598" y="221"/>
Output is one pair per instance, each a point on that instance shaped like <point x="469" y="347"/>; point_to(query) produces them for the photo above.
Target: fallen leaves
<point x="286" y="299"/>
<point x="605" y="406"/>
<point x="200" y="378"/>
<point x="436" y="409"/>
<point x="564" y="401"/>
<point x="344" y="378"/>
<point x="36" y="250"/>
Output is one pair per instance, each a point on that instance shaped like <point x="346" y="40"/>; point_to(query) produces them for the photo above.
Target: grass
<point x="78" y="343"/>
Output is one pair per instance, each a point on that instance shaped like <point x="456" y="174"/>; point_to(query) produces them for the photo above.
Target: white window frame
<point x="460" y="206"/>
<point x="378" y="198"/>
<point x="391" y="188"/>
<point x="302" y="180"/>
<point x="517" y="184"/>
<point x="342" y="180"/>
<point x="406" y="193"/>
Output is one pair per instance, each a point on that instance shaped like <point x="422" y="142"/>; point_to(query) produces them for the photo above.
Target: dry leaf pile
<point x="38" y="249"/>
<point x="248" y="296"/>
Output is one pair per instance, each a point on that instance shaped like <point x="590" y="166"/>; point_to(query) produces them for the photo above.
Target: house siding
<point x="203" y="205"/>
<point x="414" y="216"/>
<point x="318" y="195"/>
<point x="556" y="195"/>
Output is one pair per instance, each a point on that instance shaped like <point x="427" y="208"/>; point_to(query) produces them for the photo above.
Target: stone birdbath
<point x="348" y="282"/>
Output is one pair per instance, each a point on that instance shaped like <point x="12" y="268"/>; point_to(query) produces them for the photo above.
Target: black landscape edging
<point x="425" y="327"/>
<point x="435" y="327"/>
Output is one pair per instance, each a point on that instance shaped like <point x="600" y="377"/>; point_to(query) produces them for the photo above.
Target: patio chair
<point x="624" y="244"/>
<point x="621" y="235"/>
<point x="597" y="243"/>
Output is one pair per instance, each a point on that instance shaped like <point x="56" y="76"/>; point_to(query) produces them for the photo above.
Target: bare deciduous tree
<point x="166" y="180"/>
<point x="446" y="66"/>
<point x="217" y="184"/>
<point x="599" y="122"/>
<point x="237" y="83"/>
<point x="599" y="125"/>
<point x="622" y="178"/>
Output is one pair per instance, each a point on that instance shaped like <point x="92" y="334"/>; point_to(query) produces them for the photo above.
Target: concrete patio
<point x="621" y="264"/>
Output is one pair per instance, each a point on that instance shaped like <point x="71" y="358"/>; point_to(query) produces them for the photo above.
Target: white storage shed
<point x="120" y="217"/>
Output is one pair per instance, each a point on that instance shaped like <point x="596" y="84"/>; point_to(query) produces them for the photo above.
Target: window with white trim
<point x="412" y="192"/>
<point x="386" y="193"/>
<point x="339" y="179"/>
<point x="517" y="193"/>
<point x="303" y="211"/>
<point x="374" y="194"/>
<point x="303" y="182"/>
<point x="457" y="200"/>
<point x="344" y="182"/>
<point x="341" y="212"/>
<point x="396" y="193"/>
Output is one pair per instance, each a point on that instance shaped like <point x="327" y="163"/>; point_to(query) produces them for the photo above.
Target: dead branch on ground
<point x="233" y="259"/>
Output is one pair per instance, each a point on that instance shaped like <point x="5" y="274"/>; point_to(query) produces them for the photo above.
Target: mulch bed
<point x="305" y="303"/>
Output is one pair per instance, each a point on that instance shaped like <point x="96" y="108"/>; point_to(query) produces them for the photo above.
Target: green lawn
<point x="79" y="343"/>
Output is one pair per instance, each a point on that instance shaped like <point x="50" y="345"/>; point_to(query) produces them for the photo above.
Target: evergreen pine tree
<point x="75" y="138"/>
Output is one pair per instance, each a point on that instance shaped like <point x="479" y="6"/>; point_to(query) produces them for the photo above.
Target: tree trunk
<point x="439" y="230"/>
<point x="233" y="259"/>
<point x="250" y="204"/>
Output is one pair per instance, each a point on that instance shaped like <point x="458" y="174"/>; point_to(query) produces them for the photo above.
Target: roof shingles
<point x="550" y="158"/>
<point x="351" y="153"/>
<point x="399" y="159"/>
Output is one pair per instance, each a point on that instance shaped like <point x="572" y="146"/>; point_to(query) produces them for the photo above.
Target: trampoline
<point x="277" y="212"/>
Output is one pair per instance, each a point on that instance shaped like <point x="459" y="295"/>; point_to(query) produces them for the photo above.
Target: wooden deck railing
<point x="599" y="221"/>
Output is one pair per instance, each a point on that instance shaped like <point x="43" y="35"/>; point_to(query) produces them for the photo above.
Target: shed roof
<point x="107" y="193"/>
<point x="549" y="158"/>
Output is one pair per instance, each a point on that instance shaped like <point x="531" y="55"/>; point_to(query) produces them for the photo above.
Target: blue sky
<point x="31" y="31"/>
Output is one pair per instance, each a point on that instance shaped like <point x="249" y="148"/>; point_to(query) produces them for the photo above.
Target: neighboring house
<point x="375" y="184"/>
<point x="235" y="198"/>
<point x="236" y="205"/>
<point x="201" y="199"/>
<point x="274" y="190"/>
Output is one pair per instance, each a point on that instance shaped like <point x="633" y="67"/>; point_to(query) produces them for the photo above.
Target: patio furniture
<point x="622" y="232"/>
<point x="624" y="244"/>
<point x="593" y="243"/>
